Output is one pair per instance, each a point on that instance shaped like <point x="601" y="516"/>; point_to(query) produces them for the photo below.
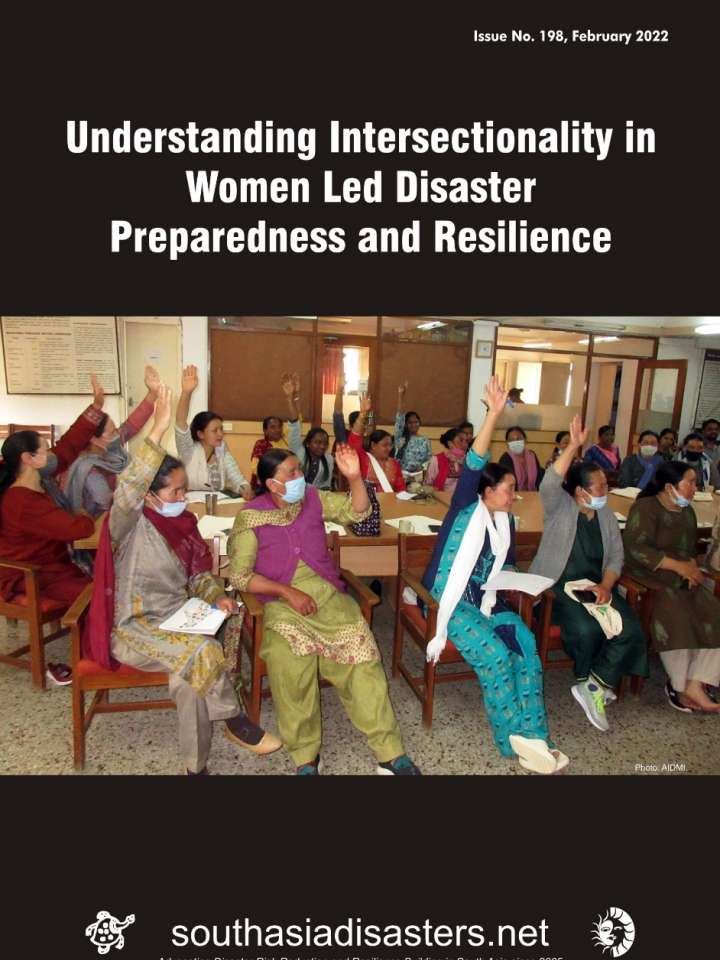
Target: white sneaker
<point x="591" y="698"/>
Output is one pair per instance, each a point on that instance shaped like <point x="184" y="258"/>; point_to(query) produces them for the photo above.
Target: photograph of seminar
<point x="394" y="545"/>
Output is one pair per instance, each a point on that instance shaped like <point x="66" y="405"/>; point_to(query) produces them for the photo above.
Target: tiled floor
<point x="645" y="734"/>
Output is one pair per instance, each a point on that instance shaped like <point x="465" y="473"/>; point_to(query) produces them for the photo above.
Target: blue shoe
<point x="399" y="767"/>
<point x="311" y="769"/>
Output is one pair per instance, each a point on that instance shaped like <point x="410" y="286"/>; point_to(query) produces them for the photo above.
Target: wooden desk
<point x="705" y="511"/>
<point x="377" y="556"/>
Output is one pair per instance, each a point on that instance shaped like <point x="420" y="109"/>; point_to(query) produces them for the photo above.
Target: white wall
<point x="480" y="372"/>
<point x="691" y="349"/>
<point x="63" y="410"/>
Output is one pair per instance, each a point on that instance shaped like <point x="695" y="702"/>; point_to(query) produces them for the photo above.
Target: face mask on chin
<point x="678" y="499"/>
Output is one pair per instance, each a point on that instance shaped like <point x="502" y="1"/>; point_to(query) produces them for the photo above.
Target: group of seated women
<point x="151" y="558"/>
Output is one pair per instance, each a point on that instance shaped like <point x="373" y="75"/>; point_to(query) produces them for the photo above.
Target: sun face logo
<point x="614" y="932"/>
<point x="107" y="930"/>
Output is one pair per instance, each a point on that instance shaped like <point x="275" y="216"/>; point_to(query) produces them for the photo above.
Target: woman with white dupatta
<point x="476" y="542"/>
<point x="376" y="464"/>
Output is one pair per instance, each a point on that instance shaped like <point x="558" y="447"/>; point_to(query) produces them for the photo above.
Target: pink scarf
<point x="525" y="467"/>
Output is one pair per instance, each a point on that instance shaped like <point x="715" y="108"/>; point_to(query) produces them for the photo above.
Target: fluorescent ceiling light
<point x="431" y="325"/>
<point x="708" y="328"/>
<point x="586" y="341"/>
<point x="536" y="346"/>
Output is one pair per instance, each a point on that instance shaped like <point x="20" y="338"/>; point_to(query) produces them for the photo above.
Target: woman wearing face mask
<point x="33" y="529"/>
<point x="521" y="462"/>
<point x="445" y="467"/>
<point x="151" y="559"/>
<point x="90" y="481"/>
<point x="376" y="464"/>
<point x="476" y="542"/>
<point x="412" y="450"/>
<point x="209" y="464"/>
<point x="693" y="452"/>
<point x="660" y="548"/>
<point x="581" y="541"/>
<point x="278" y="551"/>
<point x="637" y="470"/>
<point x="315" y="462"/>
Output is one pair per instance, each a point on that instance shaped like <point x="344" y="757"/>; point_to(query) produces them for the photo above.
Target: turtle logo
<point x="107" y="931"/>
<point x="614" y="932"/>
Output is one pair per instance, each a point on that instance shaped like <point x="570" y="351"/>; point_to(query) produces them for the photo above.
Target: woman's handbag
<point x="370" y="526"/>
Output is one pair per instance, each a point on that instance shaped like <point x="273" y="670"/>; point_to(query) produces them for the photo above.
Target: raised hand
<point x="296" y="383"/>
<point x="190" y="379"/>
<point x="578" y="436"/>
<point x="98" y="392"/>
<point x="348" y="462"/>
<point x="402" y="387"/>
<point x="152" y="381"/>
<point x="163" y="411"/>
<point x="365" y="404"/>
<point x="495" y="395"/>
<point x="287" y="384"/>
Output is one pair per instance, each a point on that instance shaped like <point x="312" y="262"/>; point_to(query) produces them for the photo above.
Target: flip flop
<point x="535" y="752"/>
<point x="561" y="759"/>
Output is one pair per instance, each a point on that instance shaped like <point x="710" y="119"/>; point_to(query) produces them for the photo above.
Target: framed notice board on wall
<point x="56" y="355"/>
<point x="708" y="404"/>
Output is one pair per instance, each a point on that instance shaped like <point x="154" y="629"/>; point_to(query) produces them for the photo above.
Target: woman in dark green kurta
<point x="660" y="548"/>
<point x="582" y="636"/>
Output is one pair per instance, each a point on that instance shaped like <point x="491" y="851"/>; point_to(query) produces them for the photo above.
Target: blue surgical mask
<point x="596" y="503"/>
<point x="172" y="509"/>
<point x="679" y="501"/>
<point x="294" y="490"/>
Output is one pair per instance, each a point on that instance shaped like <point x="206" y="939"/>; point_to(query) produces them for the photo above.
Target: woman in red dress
<point x="376" y="464"/>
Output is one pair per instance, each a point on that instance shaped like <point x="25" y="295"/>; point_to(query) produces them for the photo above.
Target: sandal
<point x="59" y="673"/>
<point x="562" y="760"/>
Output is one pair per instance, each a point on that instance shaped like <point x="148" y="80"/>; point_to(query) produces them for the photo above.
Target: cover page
<point x="350" y="314"/>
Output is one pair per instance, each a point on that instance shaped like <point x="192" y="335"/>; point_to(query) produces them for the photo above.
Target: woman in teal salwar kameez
<point x="476" y="541"/>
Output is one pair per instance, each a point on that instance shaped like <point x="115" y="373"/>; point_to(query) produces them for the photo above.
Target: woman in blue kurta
<point x="477" y="539"/>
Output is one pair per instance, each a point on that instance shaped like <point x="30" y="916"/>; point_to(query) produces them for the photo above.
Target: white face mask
<point x="173" y="509"/>
<point x="647" y="451"/>
<point x="516" y="446"/>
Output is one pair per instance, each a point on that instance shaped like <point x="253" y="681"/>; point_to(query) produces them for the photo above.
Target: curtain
<point x="332" y="369"/>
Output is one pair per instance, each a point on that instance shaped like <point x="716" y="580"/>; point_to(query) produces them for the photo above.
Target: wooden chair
<point x="34" y="610"/>
<point x="414" y="553"/>
<point x="90" y="677"/>
<point x="252" y="631"/>
<point x="549" y="634"/>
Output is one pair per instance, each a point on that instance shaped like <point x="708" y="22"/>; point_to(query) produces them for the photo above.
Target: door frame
<point x="643" y="365"/>
<point x="342" y="340"/>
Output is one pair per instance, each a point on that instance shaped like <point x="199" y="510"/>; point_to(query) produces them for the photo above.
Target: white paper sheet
<point x="331" y="527"/>
<point x="404" y="495"/>
<point x="702" y="496"/>
<point x="630" y="492"/>
<point x="195" y="616"/>
<point x="620" y="518"/>
<point x="212" y="526"/>
<point x="525" y="582"/>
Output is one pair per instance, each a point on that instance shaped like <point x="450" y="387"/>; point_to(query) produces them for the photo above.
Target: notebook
<point x="195" y="616"/>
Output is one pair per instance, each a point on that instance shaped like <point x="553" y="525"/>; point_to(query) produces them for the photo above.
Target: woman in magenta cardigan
<point x="278" y="551"/>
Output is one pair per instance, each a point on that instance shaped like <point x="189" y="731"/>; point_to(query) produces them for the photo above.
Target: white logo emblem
<point x="107" y="931"/>
<point x="614" y="932"/>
